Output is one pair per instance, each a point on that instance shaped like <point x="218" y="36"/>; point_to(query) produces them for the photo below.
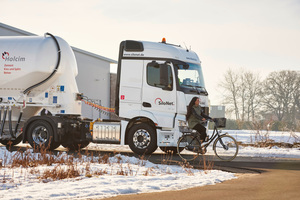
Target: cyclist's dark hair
<point x="190" y="106"/>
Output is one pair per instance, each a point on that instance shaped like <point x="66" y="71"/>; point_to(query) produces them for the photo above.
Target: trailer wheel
<point x="142" y="139"/>
<point x="40" y="135"/>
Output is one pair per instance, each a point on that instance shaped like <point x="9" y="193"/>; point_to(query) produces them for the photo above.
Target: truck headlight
<point x="183" y="127"/>
<point x="182" y="123"/>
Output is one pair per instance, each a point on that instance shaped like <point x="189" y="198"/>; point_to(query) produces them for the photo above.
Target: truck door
<point x="159" y="92"/>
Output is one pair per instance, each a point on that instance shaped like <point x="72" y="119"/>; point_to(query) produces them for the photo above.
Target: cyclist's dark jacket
<point x="197" y="116"/>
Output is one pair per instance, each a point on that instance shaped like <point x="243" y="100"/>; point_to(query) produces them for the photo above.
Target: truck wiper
<point x="204" y="91"/>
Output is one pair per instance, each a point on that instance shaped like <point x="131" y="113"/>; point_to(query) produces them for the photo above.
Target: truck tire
<point x="40" y="135"/>
<point x="142" y="139"/>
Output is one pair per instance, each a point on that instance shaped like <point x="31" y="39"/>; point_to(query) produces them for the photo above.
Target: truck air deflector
<point x="131" y="45"/>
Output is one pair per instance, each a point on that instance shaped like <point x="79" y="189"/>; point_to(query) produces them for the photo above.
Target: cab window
<point x="160" y="75"/>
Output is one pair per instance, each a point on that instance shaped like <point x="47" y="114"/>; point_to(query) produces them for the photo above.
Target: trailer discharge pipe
<point x="0" y="121"/>
<point x="55" y="69"/>
<point x="10" y="122"/>
<point x="1" y="112"/>
<point x="3" y="121"/>
<point x="17" y="125"/>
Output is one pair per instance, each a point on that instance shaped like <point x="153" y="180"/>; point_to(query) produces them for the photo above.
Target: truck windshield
<point x="191" y="78"/>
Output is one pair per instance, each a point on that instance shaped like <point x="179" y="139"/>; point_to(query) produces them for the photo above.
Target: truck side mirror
<point x="186" y="66"/>
<point x="166" y="79"/>
<point x="153" y="64"/>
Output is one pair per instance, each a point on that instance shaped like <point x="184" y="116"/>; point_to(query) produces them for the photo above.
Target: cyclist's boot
<point x="203" y="151"/>
<point x="206" y="139"/>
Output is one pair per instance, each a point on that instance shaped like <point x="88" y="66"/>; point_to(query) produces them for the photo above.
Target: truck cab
<point x="155" y="83"/>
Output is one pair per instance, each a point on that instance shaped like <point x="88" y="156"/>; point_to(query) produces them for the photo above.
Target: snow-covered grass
<point x="253" y="136"/>
<point x="273" y="144"/>
<point x="100" y="176"/>
<point x="96" y="178"/>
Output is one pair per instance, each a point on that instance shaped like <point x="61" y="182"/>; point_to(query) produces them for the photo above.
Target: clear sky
<point x="257" y="35"/>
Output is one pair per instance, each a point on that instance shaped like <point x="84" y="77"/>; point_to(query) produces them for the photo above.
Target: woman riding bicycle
<point x="196" y="118"/>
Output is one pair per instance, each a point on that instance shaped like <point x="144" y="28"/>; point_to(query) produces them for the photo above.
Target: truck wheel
<point x="142" y="139"/>
<point x="40" y="135"/>
<point x="172" y="150"/>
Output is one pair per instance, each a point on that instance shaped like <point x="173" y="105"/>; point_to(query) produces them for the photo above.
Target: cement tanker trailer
<point x="39" y="99"/>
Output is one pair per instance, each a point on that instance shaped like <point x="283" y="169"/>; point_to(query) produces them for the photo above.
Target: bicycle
<point x="224" y="146"/>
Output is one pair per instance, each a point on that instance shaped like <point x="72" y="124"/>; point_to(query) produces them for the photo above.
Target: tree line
<point x="274" y="99"/>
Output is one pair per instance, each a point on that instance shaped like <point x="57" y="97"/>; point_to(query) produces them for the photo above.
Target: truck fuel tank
<point x="107" y="132"/>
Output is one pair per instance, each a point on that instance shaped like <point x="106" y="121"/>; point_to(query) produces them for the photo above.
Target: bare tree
<point x="281" y="90"/>
<point x="246" y="94"/>
<point x="231" y="86"/>
<point x="242" y="95"/>
<point x="242" y="91"/>
<point x="295" y="111"/>
<point x="253" y="90"/>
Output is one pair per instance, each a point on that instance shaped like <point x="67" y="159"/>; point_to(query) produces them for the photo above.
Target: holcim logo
<point x="4" y="53"/>
<point x="6" y="57"/>
<point x="159" y="101"/>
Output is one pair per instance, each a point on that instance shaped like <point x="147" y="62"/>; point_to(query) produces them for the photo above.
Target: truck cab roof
<point x="158" y="50"/>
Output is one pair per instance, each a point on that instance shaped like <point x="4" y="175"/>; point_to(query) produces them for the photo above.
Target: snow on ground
<point x="251" y="137"/>
<point x="139" y="176"/>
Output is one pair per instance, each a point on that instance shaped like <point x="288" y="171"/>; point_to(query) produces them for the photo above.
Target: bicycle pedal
<point x="203" y="151"/>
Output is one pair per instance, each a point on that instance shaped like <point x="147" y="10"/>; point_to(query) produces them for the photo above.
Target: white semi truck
<point x="40" y="102"/>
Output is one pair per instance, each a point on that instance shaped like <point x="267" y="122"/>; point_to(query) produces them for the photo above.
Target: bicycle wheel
<point x="191" y="144"/>
<point x="226" y="147"/>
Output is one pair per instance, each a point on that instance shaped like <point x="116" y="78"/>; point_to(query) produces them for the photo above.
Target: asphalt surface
<point x="238" y="165"/>
<point x="258" y="179"/>
<point x="273" y="184"/>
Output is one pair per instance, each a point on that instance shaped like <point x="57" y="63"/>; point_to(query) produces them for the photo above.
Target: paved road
<point x="273" y="184"/>
<point x="238" y="165"/>
<point x="259" y="179"/>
